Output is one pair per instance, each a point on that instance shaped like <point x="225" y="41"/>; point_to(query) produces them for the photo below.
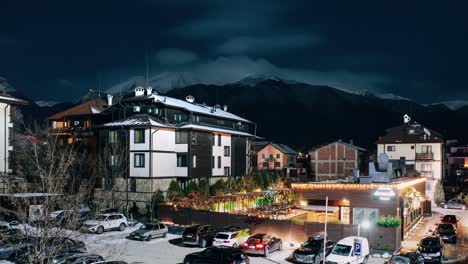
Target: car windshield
<point x="449" y="218"/>
<point x="313" y="244"/>
<point x="445" y="228"/>
<point x="101" y="217"/>
<point x="342" y="250"/>
<point x="254" y="240"/>
<point x="400" y="260"/>
<point x="222" y="236"/>
<point x="147" y="227"/>
<point x="191" y="229"/>
<point x="430" y="243"/>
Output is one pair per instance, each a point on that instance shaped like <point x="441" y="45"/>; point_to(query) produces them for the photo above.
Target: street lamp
<point x="365" y="224"/>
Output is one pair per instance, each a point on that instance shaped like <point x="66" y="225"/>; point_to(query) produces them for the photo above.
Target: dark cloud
<point x="171" y="57"/>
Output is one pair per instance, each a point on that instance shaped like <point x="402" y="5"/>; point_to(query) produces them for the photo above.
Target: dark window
<point x="181" y="137"/>
<point x="391" y="148"/>
<point x="227" y="171"/>
<point x="278" y="156"/>
<point x="277" y="164"/>
<point x="194" y="138"/>
<point x="161" y="226"/>
<point x="132" y="184"/>
<point x="139" y="136"/>
<point x="219" y="162"/>
<point x="177" y="117"/>
<point x="265" y="164"/>
<point x="139" y="160"/>
<point x="219" y="140"/>
<point x="214" y="139"/>
<point x="412" y="147"/>
<point x="263" y="155"/>
<point x="181" y="160"/>
<point x="271" y="156"/>
<point x="213" y="160"/>
<point x="196" y="119"/>
<point x="227" y="151"/>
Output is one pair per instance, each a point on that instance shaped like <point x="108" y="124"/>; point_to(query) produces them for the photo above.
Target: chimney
<point x="109" y="99"/>
<point x="225" y="108"/>
<point x="351" y="141"/>
<point x="149" y="90"/>
<point x="139" y="91"/>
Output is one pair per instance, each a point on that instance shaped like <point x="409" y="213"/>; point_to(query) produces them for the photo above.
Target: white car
<point x="229" y="239"/>
<point x="105" y="222"/>
<point x="351" y="249"/>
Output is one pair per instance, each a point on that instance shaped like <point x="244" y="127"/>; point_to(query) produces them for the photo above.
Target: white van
<point x="351" y="250"/>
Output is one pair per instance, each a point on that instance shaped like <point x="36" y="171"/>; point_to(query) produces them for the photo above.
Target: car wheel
<point x="317" y="260"/>
<point x="187" y="262"/>
<point x="234" y="245"/>
<point x="148" y="238"/>
<point x="99" y="230"/>
<point x="203" y="243"/>
<point x="366" y="259"/>
<point x="122" y="227"/>
<point x="164" y="235"/>
<point x="267" y="252"/>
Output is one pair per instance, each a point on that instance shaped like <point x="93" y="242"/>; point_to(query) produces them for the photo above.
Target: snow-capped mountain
<point x="455" y="104"/>
<point x="162" y="82"/>
<point x="43" y="103"/>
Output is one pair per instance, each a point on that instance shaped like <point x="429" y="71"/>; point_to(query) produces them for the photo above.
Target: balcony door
<point x="426" y="149"/>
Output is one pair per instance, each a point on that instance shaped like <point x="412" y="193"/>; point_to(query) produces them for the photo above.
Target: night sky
<point x="58" y="50"/>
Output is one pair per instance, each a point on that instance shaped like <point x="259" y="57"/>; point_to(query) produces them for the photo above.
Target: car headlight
<point x="437" y="254"/>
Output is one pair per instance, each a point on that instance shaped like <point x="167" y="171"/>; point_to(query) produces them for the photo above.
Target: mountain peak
<point x="254" y="79"/>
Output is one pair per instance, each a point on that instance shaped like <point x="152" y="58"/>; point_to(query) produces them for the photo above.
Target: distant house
<point x="421" y="148"/>
<point x="76" y="124"/>
<point x="274" y="156"/>
<point x="337" y="160"/>
<point x="457" y="165"/>
<point x="6" y="130"/>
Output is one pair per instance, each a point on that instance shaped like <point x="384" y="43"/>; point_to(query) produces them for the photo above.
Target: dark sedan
<point x="454" y="204"/>
<point x="446" y="232"/>
<point x="217" y="255"/>
<point x="311" y="251"/>
<point x="406" y="257"/>
<point x="432" y="249"/>
<point x="199" y="235"/>
<point x="262" y="244"/>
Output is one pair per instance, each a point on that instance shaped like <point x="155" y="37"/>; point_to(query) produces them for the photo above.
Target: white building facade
<point x="422" y="149"/>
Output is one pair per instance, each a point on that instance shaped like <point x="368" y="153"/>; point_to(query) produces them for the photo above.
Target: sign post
<point x="357" y="247"/>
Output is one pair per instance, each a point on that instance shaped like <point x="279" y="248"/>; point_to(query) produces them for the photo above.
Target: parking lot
<point x="115" y="246"/>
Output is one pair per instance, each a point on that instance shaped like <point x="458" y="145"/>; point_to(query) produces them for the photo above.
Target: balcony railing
<point x="425" y="156"/>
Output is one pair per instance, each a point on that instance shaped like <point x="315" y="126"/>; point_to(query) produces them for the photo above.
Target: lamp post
<point x="365" y="224"/>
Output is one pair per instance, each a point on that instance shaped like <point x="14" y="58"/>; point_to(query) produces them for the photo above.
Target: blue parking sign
<point x="357" y="247"/>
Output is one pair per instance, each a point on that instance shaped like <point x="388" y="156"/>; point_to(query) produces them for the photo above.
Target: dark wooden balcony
<point x="425" y="156"/>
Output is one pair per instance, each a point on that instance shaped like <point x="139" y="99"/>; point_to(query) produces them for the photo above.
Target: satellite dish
<point x="190" y="99"/>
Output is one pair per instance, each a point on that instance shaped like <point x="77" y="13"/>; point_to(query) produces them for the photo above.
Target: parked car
<point x="454" y="203"/>
<point x="83" y="258"/>
<point x="198" y="235"/>
<point x="217" y="255"/>
<point x="149" y="231"/>
<point x="50" y="257"/>
<point x="111" y="262"/>
<point x="262" y="244"/>
<point x="311" y="251"/>
<point x="230" y="238"/>
<point x="406" y="257"/>
<point x="71" y="218"/>
<point x="10" y="246"/>
<point x="432" y="249"/>
<point x="344" y="251"/>
<point x="449" y="219"/>
<point x="105" y="222"/>
<point x="231" y="228"/>
<point x="446" y="232"/>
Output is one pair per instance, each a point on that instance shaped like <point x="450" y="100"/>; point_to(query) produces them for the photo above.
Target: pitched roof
<point x="215" y="129"/>
<point x="284" y="148"/>
<point x="340" y="142"/>
<point x="137" y="120"/>
<point x="90" y="107"/>
<point x="6" y="98"/>
<point x="411" y="132"/>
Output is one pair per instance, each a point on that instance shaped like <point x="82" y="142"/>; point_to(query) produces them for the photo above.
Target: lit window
<point x="139" y="136"/>
<point x="113" y="160"/>
<point x="194" y="161"/>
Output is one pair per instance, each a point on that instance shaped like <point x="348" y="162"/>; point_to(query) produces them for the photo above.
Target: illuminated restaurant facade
<point x="358" y="203"/>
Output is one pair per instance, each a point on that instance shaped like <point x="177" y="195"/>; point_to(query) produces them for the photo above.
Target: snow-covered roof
<point x="197" y="108"/>
<point x="215" y="129"/>
<point x="137" y="120"/>
<point x="29" y="195"/>
<point x="11" y="99"/>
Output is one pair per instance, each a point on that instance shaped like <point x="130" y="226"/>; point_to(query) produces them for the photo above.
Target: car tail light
<point x="246" y="245"/>
<point x="259" y="246"/>
<point x="226" y="241"/>
<point x="195" y="235"/>
<point x="391" y="262"/>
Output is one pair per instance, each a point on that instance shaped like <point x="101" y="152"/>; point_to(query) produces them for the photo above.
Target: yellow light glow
<point x="303" y="203"/>
<point x="356" y="186"/>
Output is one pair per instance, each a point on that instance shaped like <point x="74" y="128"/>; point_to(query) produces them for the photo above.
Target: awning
<point x="321" y="208"/>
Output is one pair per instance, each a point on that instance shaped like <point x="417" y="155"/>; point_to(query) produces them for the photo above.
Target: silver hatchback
<point x="149" y="231"/>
